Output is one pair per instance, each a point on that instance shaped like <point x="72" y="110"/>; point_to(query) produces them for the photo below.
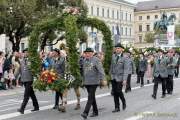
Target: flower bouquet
<point x="45" y="80"/>
<point x="49" y="80"/>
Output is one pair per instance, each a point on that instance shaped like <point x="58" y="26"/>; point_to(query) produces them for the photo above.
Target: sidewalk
<point x="11" y="91"/>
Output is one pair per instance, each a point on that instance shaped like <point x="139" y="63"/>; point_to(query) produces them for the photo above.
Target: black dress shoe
<point x="153" y="96"/>
<point x="84" y="115"/>
<point x="36" y="109"/>
<point x="170" y="93"/>
<point x="21" y="111"/>
<point x="116" y="110"/>
<point x="93" y="115"/>
<point x="163" y="96"/>
<point x="124" y="106"/>
<point x="55" y="107"/>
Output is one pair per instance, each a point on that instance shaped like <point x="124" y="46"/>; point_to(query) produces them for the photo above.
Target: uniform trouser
<point x="156" y="81"/>
<point x="29" y="92"/>
<point x="140" y="77"/>
<point x="177" y="71"/>
<point x="128" y="85"/>
<point x="57" y="95"/>
<point x="117" y="90"/>
<point x="91" y="89"/>
<point x="169" y="83"/>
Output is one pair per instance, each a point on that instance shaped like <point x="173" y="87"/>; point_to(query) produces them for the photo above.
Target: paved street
<point x="140" y="105"/>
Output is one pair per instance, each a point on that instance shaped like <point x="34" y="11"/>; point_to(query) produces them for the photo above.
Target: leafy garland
<point x="71" y="24"/>
<point x="100" y="25"/>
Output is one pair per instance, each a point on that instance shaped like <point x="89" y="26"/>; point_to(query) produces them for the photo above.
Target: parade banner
<point x="170" y="34"/>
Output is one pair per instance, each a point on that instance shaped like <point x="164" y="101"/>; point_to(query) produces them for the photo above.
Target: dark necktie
<point x="117" y="58"/>
<point x="159" y="60"/>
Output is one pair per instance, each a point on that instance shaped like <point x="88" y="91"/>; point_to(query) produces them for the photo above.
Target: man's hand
<point x="124" y="82"/>
<point x="103" y="83"/>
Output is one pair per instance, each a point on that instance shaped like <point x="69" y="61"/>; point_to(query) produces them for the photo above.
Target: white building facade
<point x="119" y="17"/>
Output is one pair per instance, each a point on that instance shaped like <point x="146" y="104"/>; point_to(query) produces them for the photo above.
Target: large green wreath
<point x="71" y="25"/>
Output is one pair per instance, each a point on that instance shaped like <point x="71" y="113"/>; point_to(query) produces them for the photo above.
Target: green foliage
<point x="71" y="31"/>
<point x="149" y="37"/>
<point x="40" y="85"/>
<point x="100" y="25"/>
<point x="59" y="85"/>
<point x="72" y="25"/>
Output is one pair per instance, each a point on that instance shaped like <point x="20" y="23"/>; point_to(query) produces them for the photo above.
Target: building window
<point x="126" y="16"/>
<point x="130" y="31"/>
<point x="112" y="14"/>
<point x="140" y="39"/>
<point x="148" y="27"/>
<point x="117" y="14"/>
<point x="140" y="28"/>
<point x="126" y="31"/>
<point x="130" y="17"/>
<point x="108" y="13"/>
<point x="148" y="17"/>
<point x="103" y="12"/>
<point x="156" y="16"/>
<point x="140" y="17"/>
<point x="97" y="11"/>
<point x="91" y="10"/>
<point x="122" y="15"/>
<point x="122" y="31"/>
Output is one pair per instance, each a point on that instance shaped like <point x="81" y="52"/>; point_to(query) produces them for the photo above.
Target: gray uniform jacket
<point x="171" y="65"/>
<point x="26" y="74"/>
<point x="160" y="67"/>
<point x="142" y="65"/>
<point x="130" y="66"/>
<point x="59" y="65"/>
<point x="119" y="69"/>
<point x="93" y="71"/>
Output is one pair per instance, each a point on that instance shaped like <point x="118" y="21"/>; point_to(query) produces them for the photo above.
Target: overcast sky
<point x="135" y="1"/>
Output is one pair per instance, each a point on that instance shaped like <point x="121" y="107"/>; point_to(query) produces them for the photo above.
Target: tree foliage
<point x="149" y="37"/>
<point x="16" y="19"/>
<point x="72" y="26"/>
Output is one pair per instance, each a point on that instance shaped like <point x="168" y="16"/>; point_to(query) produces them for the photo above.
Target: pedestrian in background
<point x="141" y="69"/>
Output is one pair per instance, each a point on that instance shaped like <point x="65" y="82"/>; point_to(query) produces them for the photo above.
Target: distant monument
<point x="164" y="29"/>
<point x="161" y="25"/>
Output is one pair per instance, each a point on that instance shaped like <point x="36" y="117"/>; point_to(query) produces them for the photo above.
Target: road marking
<point x="16" y="114"/>
<point x="11" y="93"/>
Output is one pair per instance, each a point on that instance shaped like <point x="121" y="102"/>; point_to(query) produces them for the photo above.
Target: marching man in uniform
<point x="27" y="79"/>
<point x="119" y="75"/>
<point x="160" y="73"/>
<point x="93" y="73"/>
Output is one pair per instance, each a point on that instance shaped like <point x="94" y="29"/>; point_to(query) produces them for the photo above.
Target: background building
<point x="146" y="13"/>
<point x="118" y="15"/>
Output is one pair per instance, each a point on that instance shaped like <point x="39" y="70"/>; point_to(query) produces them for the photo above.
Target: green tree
<point x="149" y="37"/>
<point x="16" y="19"/>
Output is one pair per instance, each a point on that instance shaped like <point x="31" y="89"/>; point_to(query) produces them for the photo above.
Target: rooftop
<point x="157" y="4"/>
